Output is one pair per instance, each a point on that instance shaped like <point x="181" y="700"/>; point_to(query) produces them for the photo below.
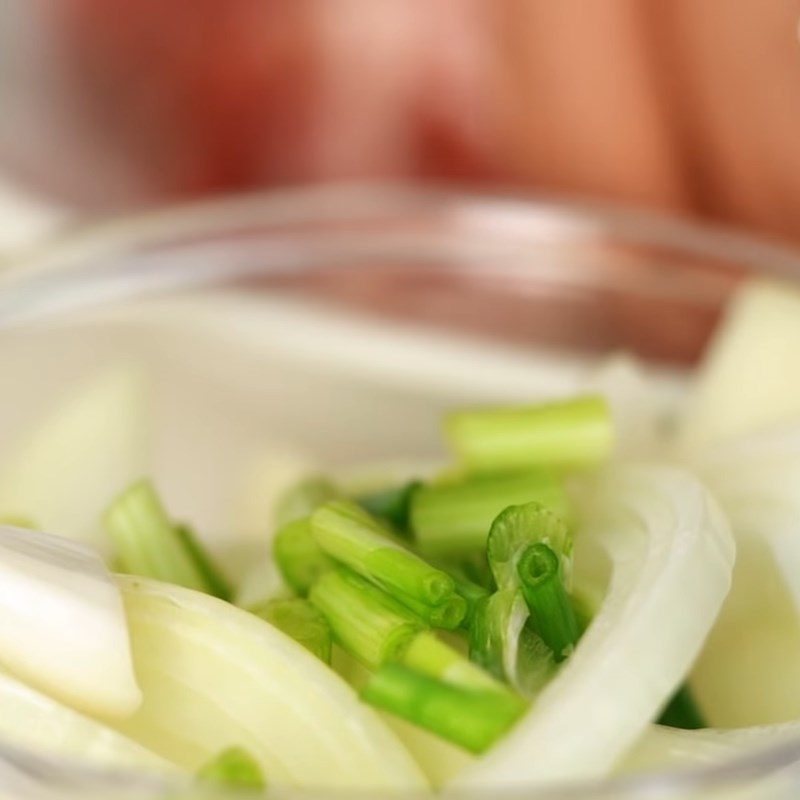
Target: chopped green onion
<point x="347" y="533"/>
<point x="475" y="720"/>
<point x="392" y="505"/>
<point x="448" y="615"/>
<point x="454" y="519"/>
<point x="472" y="594"/>
<point x="503" y="644"/>
<point x="572" y="433"/>
<point x="302" y="621"/>
<point x="218" y="585"/>
<point x="303" y="499"/>
<point x="682" y="712"/>
<point x="551" y="610"/>
<point x="514" y="529"/>
<point x="429" y="655"/>
<point x="234" y="767"/>
<point x="147" y="543"/>
<point x="366" y="622"/>
<point x="298" y="556"/>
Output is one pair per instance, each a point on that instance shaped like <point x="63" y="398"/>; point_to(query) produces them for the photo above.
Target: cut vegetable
<point x="550" y="606"/>
<point x="369" y="624"/>
<point x="350" y="535"/>
<point x="149" y="544"/>
<point x="501" y="642"/>
<point x="392" y="504"/>
<point x="452" y="519"/>
<point x="33" y="720"/>
<point x="473" y="719"/>
<point x="428" y="655"/>
<point x="756" y="480"/>
<point x="300" y="620"/>
<point x="571" y="433"/>
<point x="62" y="624"/>
<point x="213" y="675"/>
<point x="298" y="556"/>
<point x="68" y="470"/>
<point x="303" y="499"/>
<point x="663" y="748"/>
<point x="234" y="768"/>
<point x="746" y="381"/>
<point x="671" y="549"/>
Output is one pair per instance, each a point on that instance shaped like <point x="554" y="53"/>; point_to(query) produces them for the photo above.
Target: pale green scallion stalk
<point x="147" y="543"/>
<point x="350" y="535"/>
<point x="473" y="719"/>
<point x="453" y="519"/>
<point x="301" y="621"/>
<point x="298" y="556"/>
<point x="366" y="622"/>
<point x="571" y="434"/>
<point x="550" y="606"/>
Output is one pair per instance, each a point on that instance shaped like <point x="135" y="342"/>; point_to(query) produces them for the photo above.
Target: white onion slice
<point x="215" y="676"/>
<point x="756" y="640"/>
<point x="62" y="624"/>
<point x="34" y="721"/>
<point x="662" y="747"/>
<point x="65" y="472"/>
<point x="672" y="557"/>
<point x="747" y="380"/>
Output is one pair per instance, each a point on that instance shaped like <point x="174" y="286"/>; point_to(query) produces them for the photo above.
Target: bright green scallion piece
<point x="366" y="622"/>
<point x="570" y="434"/>
<point x="452" y="520"/>
<point x="392" y="505"/>
<point x="234" y="768"/>
<point x="427" y="654"/>
<point x="503" y="644"/>
<point x="301" y="621"/>
<point x="552" y="614"/>
<point x="351" y="536"/>
<point x="147" y="543"/>
<point x="298" y="556"/>
<point x="517" y="527"/>
<point x="683" y="712"/>
<point x="303" y="499"/>
<point x="215" y="580"/>
<point x="472" y="719"/>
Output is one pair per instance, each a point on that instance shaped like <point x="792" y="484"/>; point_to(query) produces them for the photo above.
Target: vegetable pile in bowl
<point x="588" y="586"/>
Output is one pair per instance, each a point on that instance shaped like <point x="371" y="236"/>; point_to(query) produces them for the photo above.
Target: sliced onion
<point x="215" y="676"/>
<point x="672" y="557"/>
<point x="62" y="624"/>
<point x="34" y="721"/>
<point x="66" y="471"/>
<point x="662" y="747"/>
<point x="756" y="640"/>
<point x="747" y="380"/>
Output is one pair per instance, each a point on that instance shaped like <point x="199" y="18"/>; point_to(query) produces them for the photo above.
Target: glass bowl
<point x="347" y="318"/>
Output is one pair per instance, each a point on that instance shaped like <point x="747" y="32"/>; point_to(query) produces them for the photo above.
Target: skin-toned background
<point x="689" y="105"/>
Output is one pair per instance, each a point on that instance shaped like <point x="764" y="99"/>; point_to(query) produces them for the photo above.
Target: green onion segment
<point x="572" y="433"/>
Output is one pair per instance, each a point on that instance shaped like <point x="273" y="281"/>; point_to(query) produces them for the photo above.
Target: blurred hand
<point x="680" y="104"/>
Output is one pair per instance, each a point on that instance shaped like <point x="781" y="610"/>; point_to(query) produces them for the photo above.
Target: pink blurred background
<point x="686" y="105"/>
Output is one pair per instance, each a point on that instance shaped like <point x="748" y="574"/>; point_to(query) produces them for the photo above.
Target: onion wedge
<point x="66" y="471"/>
<point x="672" y="558"/>
<point x="35" y="721"/>
<point x="756" y="640"/>
<point x="62" y="623"/>
<point x="215" y="676"/>
<point x="662" y="747"/>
